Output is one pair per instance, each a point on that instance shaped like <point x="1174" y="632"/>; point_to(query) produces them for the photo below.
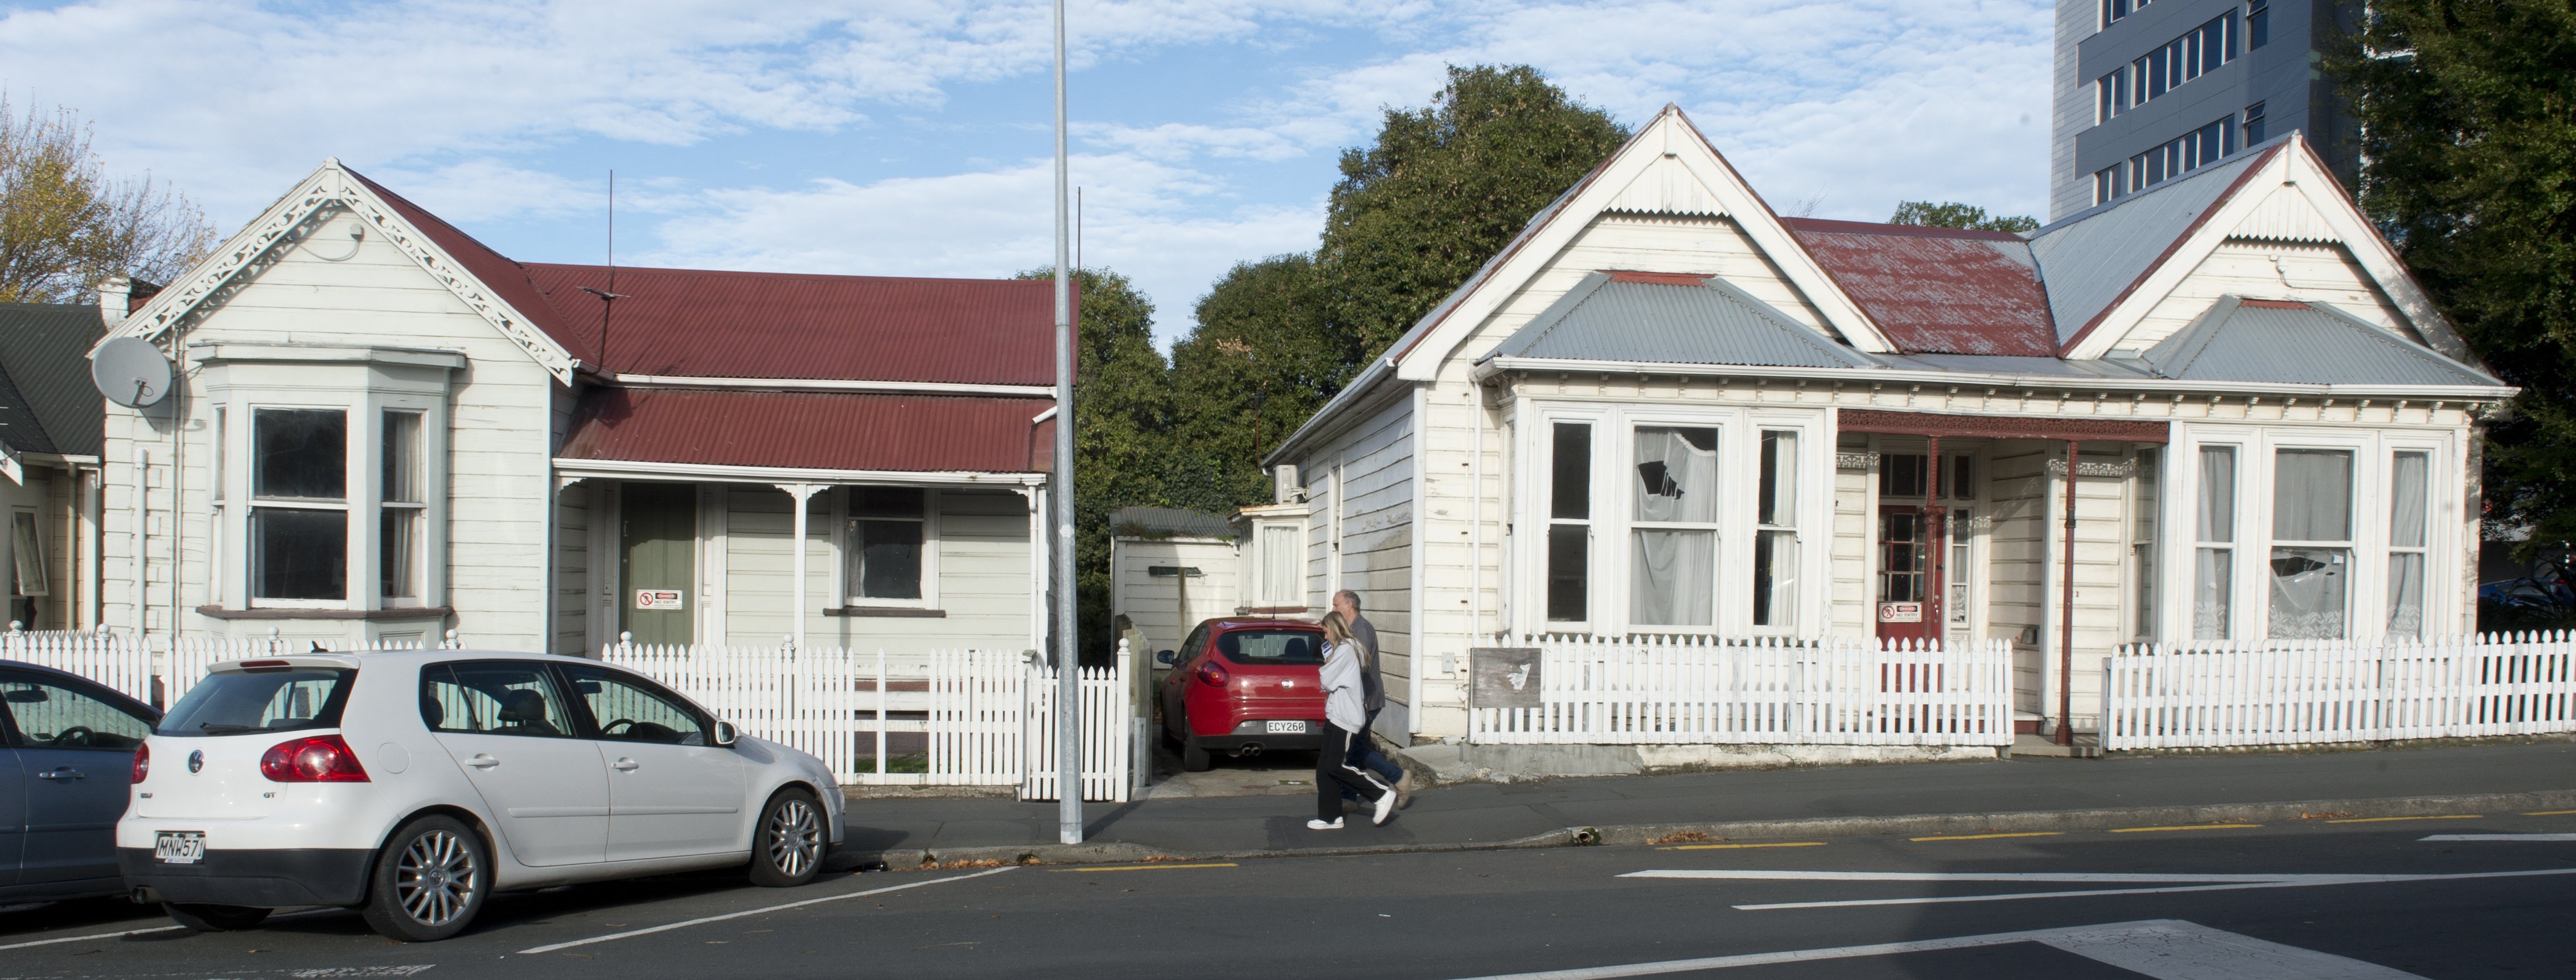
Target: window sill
<point x="887" y="612"/>
<point x="398" y="612"/>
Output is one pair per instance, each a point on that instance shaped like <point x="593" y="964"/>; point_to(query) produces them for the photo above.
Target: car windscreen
<point x="261" y="701"/>
<point x="1272" y="646"/>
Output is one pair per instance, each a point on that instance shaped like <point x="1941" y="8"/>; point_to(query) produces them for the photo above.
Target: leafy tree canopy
<point x="1444" y="188"/>
<point x="2470" y="145"/>
<point x="1122" y="414"/>
<point x="1952" y="214"/>
<point x="65" y="224"/>
<point x="1261" y="361"/>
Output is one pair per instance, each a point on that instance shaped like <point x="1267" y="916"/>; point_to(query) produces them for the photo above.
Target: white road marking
<point x="629" y="934"/>
<point x="141" y="932"/>
<point x="2166" y="949"/>
<point x="2215" y="883"/>
<point x="2534" y="838"/>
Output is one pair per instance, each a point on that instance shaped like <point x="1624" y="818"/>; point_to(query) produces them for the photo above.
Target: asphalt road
<point x="2308" y="900"/>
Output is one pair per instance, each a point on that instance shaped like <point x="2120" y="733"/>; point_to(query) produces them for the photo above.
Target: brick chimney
<point x="115" y="300"/>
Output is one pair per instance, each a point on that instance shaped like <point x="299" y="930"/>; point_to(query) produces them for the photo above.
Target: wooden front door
<point x="1909" y="576"/>
<point x="657" y="562"/>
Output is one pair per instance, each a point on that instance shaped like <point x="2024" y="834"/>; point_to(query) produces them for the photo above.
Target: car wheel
<point x="1194" y="757"/>
<point x="214" y="918"/>
<point x="429" y="881"/>
<point x="787" y="846"/>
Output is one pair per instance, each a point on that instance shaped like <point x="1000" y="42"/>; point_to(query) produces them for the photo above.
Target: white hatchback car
<point x="411" y="786"/>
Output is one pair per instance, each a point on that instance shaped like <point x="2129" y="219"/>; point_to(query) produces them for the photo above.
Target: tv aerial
<point x="130" y="372"/>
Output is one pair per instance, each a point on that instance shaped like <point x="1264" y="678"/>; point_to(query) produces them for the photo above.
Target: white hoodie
<point x="1341" y="677"/>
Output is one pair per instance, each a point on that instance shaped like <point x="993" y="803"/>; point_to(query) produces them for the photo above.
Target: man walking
<point x="1373" y="691"/>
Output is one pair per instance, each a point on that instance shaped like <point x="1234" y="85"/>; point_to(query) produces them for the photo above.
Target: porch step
<point x="2087" y="746"/>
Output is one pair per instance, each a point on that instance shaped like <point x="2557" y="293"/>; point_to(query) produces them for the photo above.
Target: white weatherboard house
<point x="387" y="431"/>
<point x="1665" y="410"/>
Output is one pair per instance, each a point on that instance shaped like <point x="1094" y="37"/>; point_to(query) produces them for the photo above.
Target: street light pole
<point x="1068" y="671"/>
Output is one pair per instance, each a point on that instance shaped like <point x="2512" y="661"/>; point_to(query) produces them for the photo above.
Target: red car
<point x="1245" y="686"/>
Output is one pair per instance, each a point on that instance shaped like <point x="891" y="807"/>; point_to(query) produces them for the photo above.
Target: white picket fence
<point x="2324" y="691"/>
<point x="989" y="714"/>
<point x="1712" y="690"/>
<point x="131" y="667"/>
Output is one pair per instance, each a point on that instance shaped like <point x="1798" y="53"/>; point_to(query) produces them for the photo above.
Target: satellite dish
<point x="130" y="372"/>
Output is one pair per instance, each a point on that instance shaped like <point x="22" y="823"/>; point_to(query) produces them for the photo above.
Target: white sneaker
<point x="1385" y="807"/>
<point x="1333" y="824"/>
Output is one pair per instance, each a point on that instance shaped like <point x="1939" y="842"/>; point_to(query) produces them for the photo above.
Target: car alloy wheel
<point x="436" y="879"/>
<point x="788" y="850"/>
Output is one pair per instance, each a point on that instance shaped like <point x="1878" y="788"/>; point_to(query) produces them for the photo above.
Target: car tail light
<point x="142" y="761"/>
<point x="317" y="759"/>
<point x="257" y="666"/>
<point x="1212" y="675"/>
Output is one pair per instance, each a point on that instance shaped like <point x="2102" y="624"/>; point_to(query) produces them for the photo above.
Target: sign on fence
<point x="1503" y="677"/>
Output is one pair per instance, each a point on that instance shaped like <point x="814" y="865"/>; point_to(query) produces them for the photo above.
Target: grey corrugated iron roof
<point x="2088" y="259"/>
<point x="44" y="350"/>
<point x="1667" y="319"/>
<point x="2298" y="343"/>
<point x="2019" y="366"/>
<point x="1161" y="522"/>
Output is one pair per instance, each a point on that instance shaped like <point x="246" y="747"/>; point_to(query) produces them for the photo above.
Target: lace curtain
<point x="2311" y="585"/>
<point x="2410" y="482"/>
<point x="1674" y="579"/>
<point x="2213" y="575"/>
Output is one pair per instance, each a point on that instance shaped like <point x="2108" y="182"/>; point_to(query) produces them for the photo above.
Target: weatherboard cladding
<point x="2296" y="343"/>
<point x="772" y="325"/>
<point x="44" y="348"/>
<point x="1937" y="290"/>
<point x="811" y="430"/>
<point x="2093" y="256"/>
<point x="1663" y="318"/>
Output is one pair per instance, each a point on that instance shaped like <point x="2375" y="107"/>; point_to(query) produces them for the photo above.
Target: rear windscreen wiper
<point x="215" y="728"/>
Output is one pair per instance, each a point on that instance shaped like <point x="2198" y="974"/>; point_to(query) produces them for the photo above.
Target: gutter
<point x="614" y="468"/>
<point x="1492" y="367"/>
<point x="828" y="384"/>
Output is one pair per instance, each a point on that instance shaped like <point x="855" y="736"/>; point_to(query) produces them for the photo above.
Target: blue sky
<point x="909" y="137"/>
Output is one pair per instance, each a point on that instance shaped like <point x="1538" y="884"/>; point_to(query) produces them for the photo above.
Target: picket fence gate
<point x="988" y="715"/>
<point x="2325" y="691"/>
<point x="1775" y="691"/>
<point x="157" y="670"/>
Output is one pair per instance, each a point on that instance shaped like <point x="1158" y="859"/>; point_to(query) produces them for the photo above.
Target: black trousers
<point x="1333" y="772"/>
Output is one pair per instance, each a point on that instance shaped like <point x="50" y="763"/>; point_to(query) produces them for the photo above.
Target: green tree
<point x="65" y="224"/>
<point x="2468" y="123"/>
<point x="1952" y="214"/>
<point x="1261" y="360"/>
<point x="1121" y="434"/>
<point x="1444" y="188"/>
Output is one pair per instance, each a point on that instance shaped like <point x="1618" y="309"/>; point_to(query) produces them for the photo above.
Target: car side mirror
<point x="725" y="734"/>
<point x="1166" y="657"/>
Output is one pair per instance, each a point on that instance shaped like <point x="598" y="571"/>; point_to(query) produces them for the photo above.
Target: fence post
<point x="881" y="716"/>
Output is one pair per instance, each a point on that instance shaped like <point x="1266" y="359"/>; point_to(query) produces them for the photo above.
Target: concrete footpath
<point x="1926" y="798"/>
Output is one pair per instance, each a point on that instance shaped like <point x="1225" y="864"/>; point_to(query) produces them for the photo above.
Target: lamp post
<point x="1068" y="670"/>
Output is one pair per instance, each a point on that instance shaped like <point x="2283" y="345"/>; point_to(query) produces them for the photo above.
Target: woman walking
<point x="1349" y="723"/>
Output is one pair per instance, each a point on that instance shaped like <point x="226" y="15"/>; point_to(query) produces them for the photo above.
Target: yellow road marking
<point x="1147" y="867"/>
<point x="2197" y="826"/>
<point x="2447" y="816"/>
<point x="1725" y="847"/>
<point x="2026" y="833"/>
<point x="2549" y="813"/>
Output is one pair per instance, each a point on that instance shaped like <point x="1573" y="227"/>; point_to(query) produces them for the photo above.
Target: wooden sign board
<point x="1503" y="677"/>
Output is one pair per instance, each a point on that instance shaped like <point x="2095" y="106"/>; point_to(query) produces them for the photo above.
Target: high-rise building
<point x="2147" y="90"/>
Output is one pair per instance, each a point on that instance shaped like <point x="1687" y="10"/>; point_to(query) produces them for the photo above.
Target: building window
<point x="2114" y="10"/>
<point x="2258" y="24"/>
<point x="2311" y="557"/>
<point x="1674" y="571"/>
<point x="299" y="518"/>
<point x="2108" y="185"/>
<point x="888" y="549"/>
<point x="1775" y="544"/>
<point x="27" y="554"/>
<point x="404" y="510"/>
<point x="2409" y="490"/>
<point x="2197" y="52"/>
<point x="2184" y="154"/>
<point x="1901" y="475"/>
<point x="2142" y="544"/>
<point x="1569" y="527"/>
<point x="1282" y="584"/>
<point x="2253" y="125"/>
<point x="2214" y="558"/>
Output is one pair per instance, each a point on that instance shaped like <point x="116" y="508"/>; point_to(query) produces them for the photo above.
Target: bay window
<point x="299" y="515"/>
<point x="2146" y="521"/>
<point x="403" y="510"/>
<point x="2311" y="560"/>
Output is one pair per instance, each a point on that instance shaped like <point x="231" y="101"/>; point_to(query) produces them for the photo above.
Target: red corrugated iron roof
<point x="1937" y="290"/>
<point x="709" y="323"/>
<point x="773" y="325"/>
<point x="811" y="430"/>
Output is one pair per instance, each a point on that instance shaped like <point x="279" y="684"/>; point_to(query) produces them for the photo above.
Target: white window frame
<point x="1812" y="527"/>
<point x="1598" y="606"/>
<point x="419" y="509"/>
<point x="845" y="548"/>
<point x="2365" y="501"/>
<point x="1267" y="594"/>
<point x="354" y="483"/>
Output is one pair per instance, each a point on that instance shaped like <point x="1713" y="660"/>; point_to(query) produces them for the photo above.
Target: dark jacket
<point x="1372" y="683"/>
